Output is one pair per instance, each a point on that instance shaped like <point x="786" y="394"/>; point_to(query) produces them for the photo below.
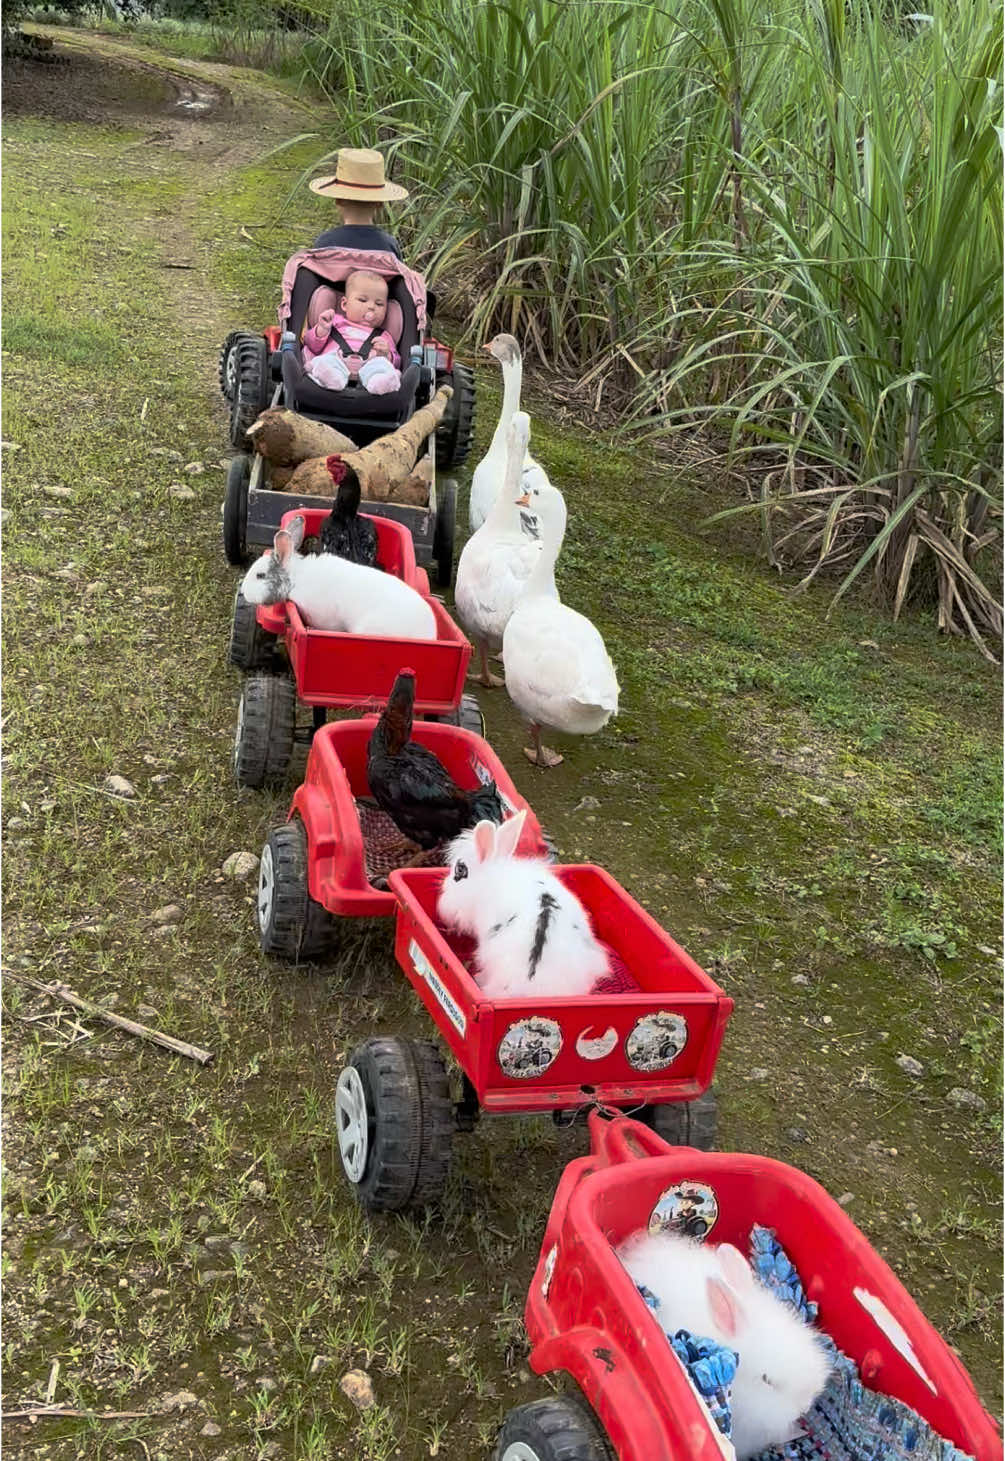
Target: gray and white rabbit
<point x="332" y="593"/>
<point x="533" y="935"/>
<point x="712" y="1292"/>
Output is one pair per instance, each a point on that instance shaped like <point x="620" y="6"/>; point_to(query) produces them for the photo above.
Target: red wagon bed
<point x="584" y="1315"/>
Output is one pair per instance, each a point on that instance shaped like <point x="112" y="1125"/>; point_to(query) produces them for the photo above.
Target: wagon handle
<point x="616" y="1139"/>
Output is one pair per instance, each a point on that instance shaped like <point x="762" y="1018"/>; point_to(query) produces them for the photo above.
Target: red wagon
<point x="288" y="661"/>
<point x="329" y="860"/>
<point x="652" y="1044"/>
<point x="585" y="1317"/>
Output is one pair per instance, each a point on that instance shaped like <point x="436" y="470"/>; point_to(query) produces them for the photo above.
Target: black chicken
<point x="343" y="532"/>
<point x="412" y="785"/>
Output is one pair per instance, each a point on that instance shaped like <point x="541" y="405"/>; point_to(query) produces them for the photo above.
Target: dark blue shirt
<point x="357" y="236"/>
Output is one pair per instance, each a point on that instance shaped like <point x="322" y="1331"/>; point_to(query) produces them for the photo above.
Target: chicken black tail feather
<point x="486" y="805"/>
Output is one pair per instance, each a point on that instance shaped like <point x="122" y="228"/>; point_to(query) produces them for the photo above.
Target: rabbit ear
<point x="735" y="1268"/>
<point x="485" y="836"/>
<point x="508" y="835"/>
<point x="296" y="530"/>
<point x="282" y="545"/>
<point x="726" y="1308"/>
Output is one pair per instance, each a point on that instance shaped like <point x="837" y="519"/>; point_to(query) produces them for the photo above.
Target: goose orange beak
<point x="523" y="501"/>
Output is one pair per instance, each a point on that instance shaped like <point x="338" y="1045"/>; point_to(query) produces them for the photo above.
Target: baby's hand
<point x="325" y="319"/>
<point x="381" y="347"/>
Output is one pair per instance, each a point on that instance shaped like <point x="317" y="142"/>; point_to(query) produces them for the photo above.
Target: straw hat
<point x="359" y="178"/>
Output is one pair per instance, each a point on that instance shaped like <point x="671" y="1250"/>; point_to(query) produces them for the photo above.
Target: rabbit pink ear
<point x="485" y="836"/>
<point x="735" y="1268"/>
<point x="725" y="1306"/>
<point x="296" y="528"/>
<point x="282" y="545"/>
<point x="508" y="835"/>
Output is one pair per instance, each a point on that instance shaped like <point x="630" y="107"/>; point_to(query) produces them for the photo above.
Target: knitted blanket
<point x="848" y="1422"/>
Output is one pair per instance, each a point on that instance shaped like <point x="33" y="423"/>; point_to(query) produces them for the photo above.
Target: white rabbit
<point x="712" y="1292"/>
<point x="333" y="593"/>
<point x="533" y="935"/>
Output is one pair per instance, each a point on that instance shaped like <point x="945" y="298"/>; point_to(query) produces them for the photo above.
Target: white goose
<point x="488" y="475"/>
<point x="496" y="562"/>
<point x="558" y="671"/>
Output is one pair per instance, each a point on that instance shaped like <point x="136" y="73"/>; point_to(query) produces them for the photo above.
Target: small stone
<point x="181" y="1400"/>
<point x="357" y="1386"/>
<point x="845" y="1198"/>
<point x="193" y="468"/>
<point x="586" y="804"/>
<point x="210" y="1429"/>
<point x="318" y="1363"/>
<point x="827" y="1020"/>
<point x="257" y="1189"/>
<point x="821" y="801"/>
<point x="182" y="493"/>
<point x="58" y="491"/>
<point x="800" y="979"/>
<point x="958" y="1096"/>
<point x="211" y="1275"/>
<point x="119" y="786"/>
<point x="80" y="640"/>
<point x="10" y="445"/>
<point x="796" y="1133"/>
<point x="759" y="1073"/>
<point x="910" y="1066"/>
<point x="146" y="1012"/>
<point x="216" y="1242"/>
<point x="164" y="930"/>
<point x="170" y="913"/>
<point x="97" y="587"/>
<point x="867" y="644"/>
<point x="266" y="1383"/>
<point x="240" y="865"/>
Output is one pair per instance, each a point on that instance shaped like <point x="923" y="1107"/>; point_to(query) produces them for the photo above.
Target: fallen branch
<point x="35" y="1413"/>
<point x="132" y="1027"/>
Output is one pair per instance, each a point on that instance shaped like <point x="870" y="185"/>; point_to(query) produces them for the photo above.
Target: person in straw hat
<point x="358" y="187"/>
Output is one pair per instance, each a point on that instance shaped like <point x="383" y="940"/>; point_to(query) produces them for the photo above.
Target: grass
<point x="797" y="798"/>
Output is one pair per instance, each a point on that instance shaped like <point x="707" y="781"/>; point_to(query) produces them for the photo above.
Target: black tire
<point x="395" y="1124"/>
<point x="557" y="1429"/>
<point x="251" y="647"/>
<point x="686" y="1123"/>
<point x="235" y="511"/>
<point x="468" y="715"/>
<point x="266" y="720"/>
<point x="250" y="355"/>
<point x="291" y="924"/>
<point x="444" y="531"/>
<point x="456" y="431"/>
<point x="226" y="370"/>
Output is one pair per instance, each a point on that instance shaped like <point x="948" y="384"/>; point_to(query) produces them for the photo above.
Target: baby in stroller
<point x="350" y="341"/>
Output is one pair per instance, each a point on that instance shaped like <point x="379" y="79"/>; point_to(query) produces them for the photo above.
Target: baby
<point x="352" y="342"/>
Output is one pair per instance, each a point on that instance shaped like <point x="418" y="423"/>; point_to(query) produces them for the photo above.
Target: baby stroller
<point x="258" y="371"/>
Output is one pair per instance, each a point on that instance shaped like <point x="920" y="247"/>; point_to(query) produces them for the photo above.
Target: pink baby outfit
<point x="330" y="366"/>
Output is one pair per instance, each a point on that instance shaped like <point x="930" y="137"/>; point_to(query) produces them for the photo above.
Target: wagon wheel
<point x="685" y="1123"/>
<point x="290" y="923"/>
<point x="444" y="532"/>
<point x="558" y="1429"/>
<point x="455" y="432"/>
<point x="266" y="720"/>
<point x="235" y="510"/>
<point x="251" y="646"/>
<point x="227" y="367"/>
<point x="468" y="715"/>
<point x="250" y="355"/>
<point x="395" y="1123"/>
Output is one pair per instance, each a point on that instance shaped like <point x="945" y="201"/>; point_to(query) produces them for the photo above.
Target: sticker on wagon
<point x="655" y="1041"/>
<point x="443" y="997"/>
<point x="690" y="1208"/>
<point x="529" y="1047"/>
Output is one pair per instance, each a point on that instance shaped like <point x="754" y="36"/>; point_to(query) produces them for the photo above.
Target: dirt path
<point x="188" y="1233"/>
